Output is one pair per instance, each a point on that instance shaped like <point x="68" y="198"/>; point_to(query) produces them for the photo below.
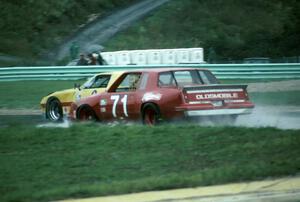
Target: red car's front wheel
<point x="86" y="114"/>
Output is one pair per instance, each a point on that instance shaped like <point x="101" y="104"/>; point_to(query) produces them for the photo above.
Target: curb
<point x="284" y="189"/>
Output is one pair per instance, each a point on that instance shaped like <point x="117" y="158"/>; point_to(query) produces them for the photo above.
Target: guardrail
<point x="222" y="71"/>
<point x="155" y="56"/>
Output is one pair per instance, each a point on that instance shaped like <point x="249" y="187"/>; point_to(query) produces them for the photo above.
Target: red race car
<point x="153" y="95"/>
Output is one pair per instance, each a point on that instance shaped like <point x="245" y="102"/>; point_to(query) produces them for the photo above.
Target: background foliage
<point x="85" y="160"/>
<point x="233" y="29"/>
<point x="30" y="27"/>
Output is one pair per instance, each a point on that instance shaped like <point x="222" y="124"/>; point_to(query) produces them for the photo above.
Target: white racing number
<point x="116" y="99"/>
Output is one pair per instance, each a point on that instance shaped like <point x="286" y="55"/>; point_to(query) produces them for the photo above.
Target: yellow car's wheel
<point x="54" y="110"/>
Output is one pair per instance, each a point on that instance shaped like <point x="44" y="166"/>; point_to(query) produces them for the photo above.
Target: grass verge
<point x="28" y="94"/>
<point x="43" y="164"/>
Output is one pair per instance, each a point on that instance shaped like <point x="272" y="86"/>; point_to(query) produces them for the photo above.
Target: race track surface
<point x="275" y="190"/>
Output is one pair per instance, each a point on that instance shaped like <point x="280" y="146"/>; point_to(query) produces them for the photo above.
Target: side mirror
<point x="76" y="85"/>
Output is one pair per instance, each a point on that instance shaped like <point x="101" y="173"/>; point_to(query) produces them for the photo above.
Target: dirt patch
<point x="290" y="85"/>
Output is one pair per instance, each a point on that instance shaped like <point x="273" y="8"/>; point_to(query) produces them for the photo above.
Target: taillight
<point x="246" y="95"/>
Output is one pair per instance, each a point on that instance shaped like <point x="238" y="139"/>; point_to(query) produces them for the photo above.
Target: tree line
<point x="233" y="29"/>
<point x="29" y="27"/>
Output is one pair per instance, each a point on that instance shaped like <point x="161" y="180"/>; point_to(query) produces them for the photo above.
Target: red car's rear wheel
<point x="150" y="114"/>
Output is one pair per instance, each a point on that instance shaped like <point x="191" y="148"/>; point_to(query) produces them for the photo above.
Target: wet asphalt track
<point x="10" y="120"/>
<point x="284" y="117"/>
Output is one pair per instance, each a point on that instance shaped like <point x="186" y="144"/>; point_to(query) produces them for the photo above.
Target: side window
<point x="208" y="78"/>
<point x="89" y="83"/>
<point x="100" y="81"/>
<point x="183" y="78"/>
<point x="166" y="79"/>
<point x="129" y="83"/>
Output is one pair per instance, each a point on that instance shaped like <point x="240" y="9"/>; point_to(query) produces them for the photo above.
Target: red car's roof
<point x="164" y="69"/>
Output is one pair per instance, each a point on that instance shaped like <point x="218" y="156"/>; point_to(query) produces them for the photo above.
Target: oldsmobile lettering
<point x="217" y="96"/>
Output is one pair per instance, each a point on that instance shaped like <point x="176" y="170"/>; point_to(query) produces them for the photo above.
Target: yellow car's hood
<point x="66" y="97"/>
<point x="63" y="95"/>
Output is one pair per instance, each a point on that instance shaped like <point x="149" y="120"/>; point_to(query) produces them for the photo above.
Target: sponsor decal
<point x="216" y="96"/>
<point x="94" y="92"/>
<point x="102" y="109"/>
<point x="151" y="96"/>
<point x="103" y="102"/>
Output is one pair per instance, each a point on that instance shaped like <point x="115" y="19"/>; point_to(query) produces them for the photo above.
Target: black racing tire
<point x="151" y="114"/>
<point x="86" y="113"/>
<point x="54" y="111"/>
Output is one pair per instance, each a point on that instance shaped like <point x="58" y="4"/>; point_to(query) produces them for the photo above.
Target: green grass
<point x="43" y="164"/>
<point x="27" y="94"/>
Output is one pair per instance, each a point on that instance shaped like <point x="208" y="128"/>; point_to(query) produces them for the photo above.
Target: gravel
<point x="278" y="86"/>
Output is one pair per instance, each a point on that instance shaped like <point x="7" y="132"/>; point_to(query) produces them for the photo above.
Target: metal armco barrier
<point x="222" y="71"/>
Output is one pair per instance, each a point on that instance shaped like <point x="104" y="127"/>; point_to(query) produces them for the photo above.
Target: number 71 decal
<point x="116" y="99"/>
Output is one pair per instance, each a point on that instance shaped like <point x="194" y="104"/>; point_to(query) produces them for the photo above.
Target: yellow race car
<point x="57" y="105"/>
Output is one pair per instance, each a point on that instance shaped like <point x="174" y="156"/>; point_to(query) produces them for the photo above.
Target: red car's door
<point x="122" y="103"/>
